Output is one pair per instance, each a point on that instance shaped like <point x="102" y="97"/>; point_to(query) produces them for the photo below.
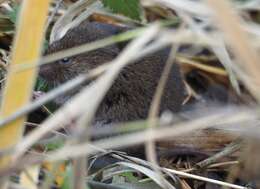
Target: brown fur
<point x="131" y="95"/>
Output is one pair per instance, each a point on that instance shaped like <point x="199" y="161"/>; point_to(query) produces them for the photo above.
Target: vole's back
<point x="131" y="95"/>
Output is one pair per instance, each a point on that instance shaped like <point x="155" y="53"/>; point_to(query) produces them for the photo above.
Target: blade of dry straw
<point x="230" y="24"/>
<point x="27" y="48"/>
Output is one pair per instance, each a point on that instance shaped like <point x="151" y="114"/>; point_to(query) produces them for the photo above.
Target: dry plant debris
<point x="211" y="143"/>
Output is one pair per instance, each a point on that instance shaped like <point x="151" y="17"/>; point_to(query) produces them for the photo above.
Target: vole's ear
<point x="111" y="29"/>
<point x="121" y="29"/>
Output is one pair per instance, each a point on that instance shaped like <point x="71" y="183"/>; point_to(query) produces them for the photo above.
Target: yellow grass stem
<point x="27" y="48"/>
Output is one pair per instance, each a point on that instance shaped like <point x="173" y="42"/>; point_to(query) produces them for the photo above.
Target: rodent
<point x="131" y="95"/>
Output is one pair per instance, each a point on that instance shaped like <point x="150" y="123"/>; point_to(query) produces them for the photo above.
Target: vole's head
<point x="67" y="68"/>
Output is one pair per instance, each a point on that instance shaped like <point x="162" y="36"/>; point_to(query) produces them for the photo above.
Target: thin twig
<point x="227" y="151"/>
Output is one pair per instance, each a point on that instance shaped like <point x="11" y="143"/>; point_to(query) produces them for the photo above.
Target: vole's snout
<point x="58" y="72"/>
<point x="50" y="73"/>
<point x="43" y="71"/>
<point x="47" y="72"/>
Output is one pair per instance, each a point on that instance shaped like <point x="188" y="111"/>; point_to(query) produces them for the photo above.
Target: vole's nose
<point x="46" y="72"/>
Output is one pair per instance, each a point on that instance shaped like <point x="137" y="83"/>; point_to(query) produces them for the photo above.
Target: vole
<point x="131" y="95"/>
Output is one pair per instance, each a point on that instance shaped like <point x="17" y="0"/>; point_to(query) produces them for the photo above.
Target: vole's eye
<point x="65" y="60"/>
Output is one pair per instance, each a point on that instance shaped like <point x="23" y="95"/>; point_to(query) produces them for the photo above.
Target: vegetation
<point x="211" y="143"/>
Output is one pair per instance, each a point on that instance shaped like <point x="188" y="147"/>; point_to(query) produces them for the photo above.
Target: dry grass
<point x="228" y="30"/>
